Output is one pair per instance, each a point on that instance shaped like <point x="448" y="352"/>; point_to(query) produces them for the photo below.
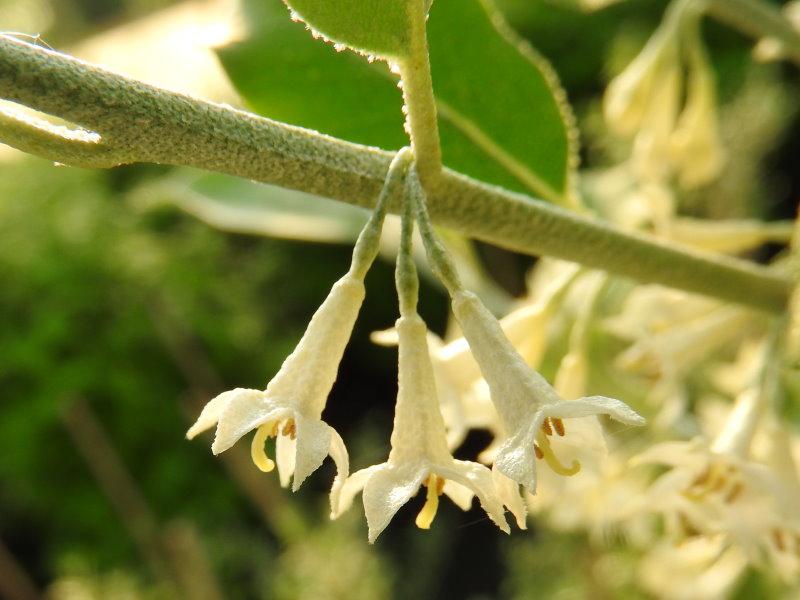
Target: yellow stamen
<point x="290" y="429"/>
<point x="428" y="512"/>
<point x="257" y="451"/>
<point x="777" y="538"/>
<point x="734" y="492"/>
<point x="546" y="427"/>
<point x="553" y="462"/>
<point x="559" y="425"/>
<point x="538" y="451"/>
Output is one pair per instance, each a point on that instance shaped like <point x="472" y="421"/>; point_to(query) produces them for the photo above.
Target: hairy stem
<point x="141" y="123"/>
<point x="758" y="19"/>
<point x="419" y="102"/>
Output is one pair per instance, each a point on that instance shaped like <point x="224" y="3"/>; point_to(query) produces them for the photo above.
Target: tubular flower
<point x="696" y="144"/>
<point x="720" y="491"/>
<point x="629" y="95"/>
<point x="419" y="455"/>
<point x="291" y="406"/>
<point x="530" y="410"/>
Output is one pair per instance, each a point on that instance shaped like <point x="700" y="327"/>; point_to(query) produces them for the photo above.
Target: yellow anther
<point x="559" y="426"/>
<point x="428" y="512"/>
<point x="538" y="451"/>
<point x="546" y="426"/>
<point x="777" y="538"/>
<point x="553" y="462"/>
<point x="290" y="429"/>
<point x="257" y="451"/>
<point x="734" y="492"/>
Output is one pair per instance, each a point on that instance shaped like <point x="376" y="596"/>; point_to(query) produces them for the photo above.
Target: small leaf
<point x="503" y="97"/>
<point x="374" y="27"/>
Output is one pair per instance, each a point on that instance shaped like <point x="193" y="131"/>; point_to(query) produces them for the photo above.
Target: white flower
<point x="719" y="491"/>
<point x="696" y="146"/>
<point x="529" y="408"/>
<point x="700" y="568"/>
<point x="630" y="94"/>
<point x="419" y="454"/>
<point x="291" y="406"/>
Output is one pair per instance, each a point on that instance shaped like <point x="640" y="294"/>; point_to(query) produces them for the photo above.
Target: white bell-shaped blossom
<point x="291" y="406"/>
<point x="419" y="454"/>
<point x="530" y="410"/>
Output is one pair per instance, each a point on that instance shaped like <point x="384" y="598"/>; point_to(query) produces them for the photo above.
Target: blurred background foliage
<point x="130" y="297"/>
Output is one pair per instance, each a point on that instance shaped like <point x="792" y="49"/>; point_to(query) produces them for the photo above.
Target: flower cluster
<point x="437" y="384"/>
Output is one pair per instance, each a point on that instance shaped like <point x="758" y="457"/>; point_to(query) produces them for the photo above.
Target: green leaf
<point x="374" y="27"/>
<point x="502" y="96"/>
<point x="503" y="116"/>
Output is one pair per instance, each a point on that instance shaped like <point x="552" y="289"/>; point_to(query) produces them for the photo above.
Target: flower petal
<point x="338" y="453"/>
<point x="460" y="495"/>
<point x="508" y="492"/>
<point x="342" y="496"/>
<point x="245" y="411"/>
<point x="594" y="405"/>
<point x="313" y="445"/>
<point x="479" y="479"/>
<point x="285" y="451"/>
<point x="387" y="490"/>
<point x="212" y="410"/>
<point x="516" y="457"/>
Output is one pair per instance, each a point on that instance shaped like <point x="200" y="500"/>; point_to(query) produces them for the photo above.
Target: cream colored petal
<point x="338" y="452"/>
<point x="516" y="389"/>
<point x="387" y="490"/>
<point x="342" y="496"/>
<point x="509" y="494"/>
<point x="384" y="337"/>
<point x="419" y="432"/>
<point x="212" y="410"/>
<point x="306" y="377"/>
<point x="285" y="450"/>
<point x="313" y="445"/>
<point x="516" y="457"/>
<point x="460" y="495"/>
<point x="673" y="453"/>
<point x="478" y="479"/>
<point x="245" y="411"/>
<point x="594" y="405"/>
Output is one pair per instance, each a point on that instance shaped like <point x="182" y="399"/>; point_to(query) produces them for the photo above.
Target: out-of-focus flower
<point x="419" y="454"/>
<point x="771" y="48"/>
<point x="673" y="333"/>
<point x="699" y="568"/>
<point x="696" y="146"/>
<point x="720" y="493"/>
<point x="630" y="94"/>
<point x="645" y="102"/>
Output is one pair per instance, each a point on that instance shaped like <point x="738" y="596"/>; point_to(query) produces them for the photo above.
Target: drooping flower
<point x="696" y="146"/>
<point x="291" y="406"/>
<point x="630" y="94"/>
<point x="419" y="454"/>
<point x="529" y="408"/>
